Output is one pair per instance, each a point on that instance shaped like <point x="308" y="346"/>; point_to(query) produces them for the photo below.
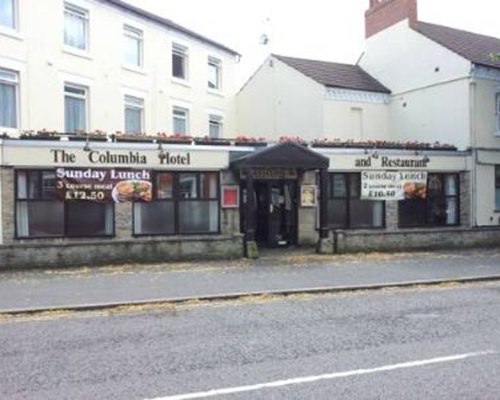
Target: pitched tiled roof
<point x="472" y="46"/>
<point x="169" y="24"/>
<point x="337" y="75"/>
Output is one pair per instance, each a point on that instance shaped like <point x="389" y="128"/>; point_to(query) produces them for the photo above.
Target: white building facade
<point x="91" y="65"/>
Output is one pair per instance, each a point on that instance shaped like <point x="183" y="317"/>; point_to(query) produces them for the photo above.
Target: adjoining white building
<point x="401" y="151"/>
<point x="104" y="65"/>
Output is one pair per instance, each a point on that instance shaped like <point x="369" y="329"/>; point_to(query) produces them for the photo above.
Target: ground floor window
<point x="440" y="207"/>
<point x="345" y="207"/>
<point x="183" y="203"/>
<point x="39" y="213"/>
<point x="497" y="187"/>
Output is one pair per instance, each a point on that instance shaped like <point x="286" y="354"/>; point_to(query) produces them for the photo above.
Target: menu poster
<point x="104" y="185"/>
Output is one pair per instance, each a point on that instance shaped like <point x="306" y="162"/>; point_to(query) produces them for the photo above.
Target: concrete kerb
<point x="179" y="301"/>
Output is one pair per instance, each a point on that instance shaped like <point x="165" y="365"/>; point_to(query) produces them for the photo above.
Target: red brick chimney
<point x="384" y="13"/>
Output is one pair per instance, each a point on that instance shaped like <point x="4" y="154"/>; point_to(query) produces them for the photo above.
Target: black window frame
<point x="348" y="196"/>
<point x="425" y="223"/>
<point x="497" y="186"/>
<point x="176" y="199"/>
<point x="54" y="198"/>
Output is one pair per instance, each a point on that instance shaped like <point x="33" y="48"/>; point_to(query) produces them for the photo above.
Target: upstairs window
<point x="76" y="27"/>
<point x="179" y="62"/>
<point x="75" y="108"/>
<point x="214" y="73"/>
<point x="8" y="14"/>
<point x="497" y="110"/>
<point x="215" y="126"/>
<point x="133" y="52"/>
<point x="497" y="187"/>
<point x="134" y="114"/>
<point x="9" y="82"/>
<point x="181" y="120"/>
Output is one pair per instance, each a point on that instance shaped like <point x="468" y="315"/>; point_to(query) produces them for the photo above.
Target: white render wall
<point x="38" y="54"/>
<point x="486" y="215"/>
<point x="432" y="81"/>
<point x="487" y="135"/>
<point x="280" y="101"/>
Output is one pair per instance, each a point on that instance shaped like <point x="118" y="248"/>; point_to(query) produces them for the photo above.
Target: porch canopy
<point x="283" y="155"/>
<point x="287" y="155"/>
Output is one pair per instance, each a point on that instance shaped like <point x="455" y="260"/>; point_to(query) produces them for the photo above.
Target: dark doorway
<point x="275" y="213"/>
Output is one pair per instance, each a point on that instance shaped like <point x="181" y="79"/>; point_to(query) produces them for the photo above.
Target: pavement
<point x="283" y="272"/>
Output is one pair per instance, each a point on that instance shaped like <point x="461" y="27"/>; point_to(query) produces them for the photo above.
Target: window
<point x="214" y="73"/>
<point x="133" y="46"/>
<point x="179" y="61"/>
<point x="9" y="83"/>
<point x="184" y="203"/>
<point x="75" y="27"/>
<point x="346" y="209"/>
<point x="439" y="208"/>
<point x="134" y="114"/>
<point x="497" y="111"/>
<point x="8" y="13"/>
<point x="39" y="213"/>
<point x="181" y="120"/>
<point x="75" y="108"/>
<point x="497" y="187"/>
<point x="215" y="126"/>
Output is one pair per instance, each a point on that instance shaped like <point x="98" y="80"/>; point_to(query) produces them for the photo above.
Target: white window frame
<point x="176" y="110"/>
<point x="216" y="65"/>
<point x="83" y="14"/>
<point x="84" y="97"/>
<point x="216" y="120"/>
<point x="134" y="103"/>
<point x="183" y="52"/>
<point x="11" y="78"/>
<point x="497" y="112"/>
<point x="129" y="32"/>
<point x="15" y="22"/>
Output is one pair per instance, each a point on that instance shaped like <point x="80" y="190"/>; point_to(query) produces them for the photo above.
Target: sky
<point x="329" y="30"/>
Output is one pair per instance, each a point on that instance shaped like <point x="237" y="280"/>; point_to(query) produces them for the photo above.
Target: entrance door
<point x="276" y="213"/>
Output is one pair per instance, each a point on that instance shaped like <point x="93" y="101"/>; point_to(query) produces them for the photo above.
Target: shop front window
<point x="184" y="203"/>
<point x="345" y="207"/>
<point x="440" y="207"/>
<point x="40" y="214"/>
<point x="497" y="187"/>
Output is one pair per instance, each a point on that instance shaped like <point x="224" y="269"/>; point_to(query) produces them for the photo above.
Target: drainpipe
<point x="473" y="144"/>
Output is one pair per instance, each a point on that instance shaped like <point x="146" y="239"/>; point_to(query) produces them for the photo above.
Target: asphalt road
<point x="428" y="343"/>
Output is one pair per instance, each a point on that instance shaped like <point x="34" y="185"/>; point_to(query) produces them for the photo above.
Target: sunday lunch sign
<point x="104" y="185"/>
<point x="393" y="185"/>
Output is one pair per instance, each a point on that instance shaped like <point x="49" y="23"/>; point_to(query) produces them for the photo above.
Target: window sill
<point x="134" y="68"/>
<point x="215" y="92"/>
<point x="76" y="52"/>
<point x="181" y="82"/>
<point x="11" y="33"/>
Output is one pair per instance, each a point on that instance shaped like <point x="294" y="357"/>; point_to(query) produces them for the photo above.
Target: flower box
<point x="132" y="138"/>
<point x="251" y="144"/>
<point x="84" y="138"/>
<point x="174" y="141"/>
<point x="40" y="137"/>
<point x="212" y="142"/>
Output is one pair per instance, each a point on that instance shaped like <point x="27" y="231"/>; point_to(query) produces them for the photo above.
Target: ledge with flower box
<point x="40" y="135"/>
<point x="250" y="141"/>
<point x="175" y="138"/>
<point x="211" y="141"/>
<point x="94" y="136"/>
<point x="380" y="144"/>
<point x="132" y="138"/>
<point x="293" y="139"/>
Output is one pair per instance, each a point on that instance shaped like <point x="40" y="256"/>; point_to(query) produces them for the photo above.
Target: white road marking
<point x="334" y="375"/>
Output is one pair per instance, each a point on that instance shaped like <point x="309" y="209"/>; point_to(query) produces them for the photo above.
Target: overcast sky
<point x="330" y="30"/>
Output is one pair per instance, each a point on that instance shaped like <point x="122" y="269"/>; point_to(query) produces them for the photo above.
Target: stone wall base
<point x="92" y="253"/>
<point x="415" y="239"/>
